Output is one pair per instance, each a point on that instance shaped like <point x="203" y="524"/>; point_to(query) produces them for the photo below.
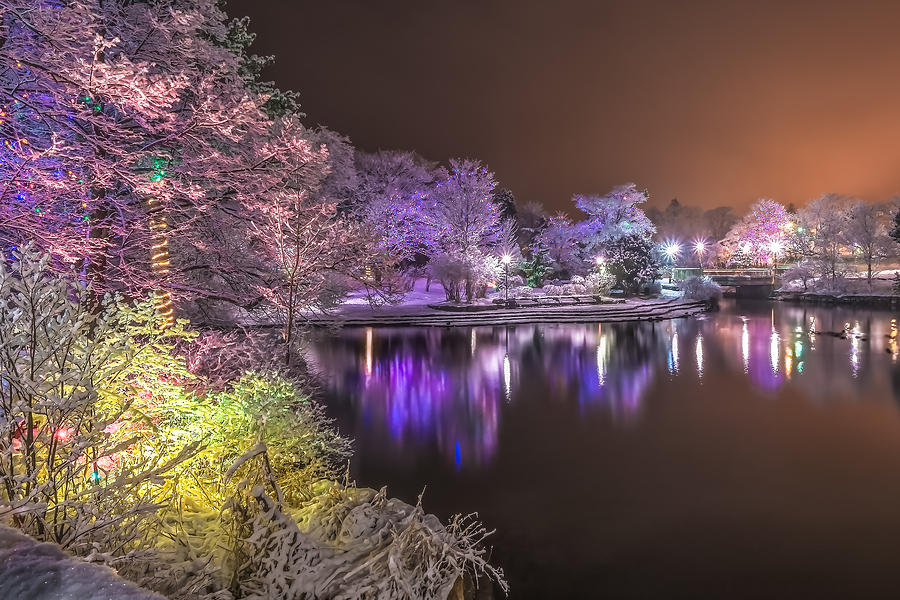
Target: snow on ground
<point x="417" y="295"/>
<point x="882" y="285"/>
<point x="356" y="310"/>
<point x="33" y="571"/>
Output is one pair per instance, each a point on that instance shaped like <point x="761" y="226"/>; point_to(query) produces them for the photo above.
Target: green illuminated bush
<point x="111" y="448"/>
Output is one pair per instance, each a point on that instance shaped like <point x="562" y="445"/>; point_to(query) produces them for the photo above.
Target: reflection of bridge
<point x="756" y="282"/>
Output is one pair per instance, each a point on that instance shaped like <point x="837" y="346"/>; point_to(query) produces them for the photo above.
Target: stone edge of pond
<point x="653" y="310"/>
<point x="862" y="300"/>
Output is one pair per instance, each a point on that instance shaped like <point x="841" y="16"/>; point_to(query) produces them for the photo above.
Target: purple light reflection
<point x="447" y="390"/>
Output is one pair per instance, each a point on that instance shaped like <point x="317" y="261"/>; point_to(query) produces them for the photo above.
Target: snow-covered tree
<point x="390" y="199"/>
<point x="127" y="144"/>
<point x="894" y="232"/>
<point x="313" y="254"/>
<point x="633" y="262"/>
<point x="760" y="233"/>
<point x="531" y="218"/>
<point x="615" y="215"/>
<point x="718" y="222"/>
<point x="462" y="222"/>
<point x="740" y="258"/>
<point x="821" y="234"/>
<point x="341" y="183"/>
<point x="558" y="241"/>
<point x="867" y="233"/>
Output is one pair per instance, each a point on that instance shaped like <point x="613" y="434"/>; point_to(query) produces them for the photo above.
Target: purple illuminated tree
<point x="558" y="240"/>
<point x="390" y="198"/>
<point x="611" y="217"/>
<point x="462" y="222"/>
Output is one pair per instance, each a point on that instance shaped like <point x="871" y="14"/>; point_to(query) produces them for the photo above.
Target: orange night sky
<point x="717" y="103"/>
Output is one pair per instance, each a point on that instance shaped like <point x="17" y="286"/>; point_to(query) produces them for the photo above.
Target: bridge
<point x="750" y="282"/>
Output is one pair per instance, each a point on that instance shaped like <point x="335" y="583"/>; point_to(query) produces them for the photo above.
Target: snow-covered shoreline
<point x="421" y="315"/>
<point x="875" y="299"/>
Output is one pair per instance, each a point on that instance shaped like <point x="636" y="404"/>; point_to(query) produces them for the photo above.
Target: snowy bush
<point x="219" y="358"/>
<point x="553" y="290"/>
<point x="573" y="289"/>
<point x="452" y="273"/>
<point x="101" y="454"/>
<point x="75" y="465"/>
<point x="521" y="292"/>
<point x="599" y="283"/>
<point x="355" y="543"/>
<point x="700" y="288"/>
<point x="801" y="273"/>
<point x="514" y="281"/>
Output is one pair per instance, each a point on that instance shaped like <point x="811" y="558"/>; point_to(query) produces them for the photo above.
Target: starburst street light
<point x="699" y="249"/>
<point x="672" y="250"/>
<point x="775" y="249"/>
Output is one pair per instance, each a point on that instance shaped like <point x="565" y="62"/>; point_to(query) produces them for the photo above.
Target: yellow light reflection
<point x="602" y="351"/>
<point x="774" y="350"/>
<point x="368" y="351"/>
<point x="699" y="353"/>
<point x="745" y="347"/>
<point x="507" y="376"/>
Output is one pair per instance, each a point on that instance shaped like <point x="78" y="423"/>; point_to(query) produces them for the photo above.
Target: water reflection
<point x="448" y="389"/>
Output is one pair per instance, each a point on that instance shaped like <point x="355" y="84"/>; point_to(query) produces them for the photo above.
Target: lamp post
<point x="775" y="247"/>
<point x="699" y="248"/>
<point x="672" y="250"/>
<point x="601" y="263"/>
<point x="506" y="259"/>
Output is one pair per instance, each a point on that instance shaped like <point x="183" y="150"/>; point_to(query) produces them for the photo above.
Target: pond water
<point x="735" y="455"/>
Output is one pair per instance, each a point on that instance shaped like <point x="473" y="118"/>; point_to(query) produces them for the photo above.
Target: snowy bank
<point x="875" y="299"/>
<point x="30" y="570"/>
<point x="405" y="315"/>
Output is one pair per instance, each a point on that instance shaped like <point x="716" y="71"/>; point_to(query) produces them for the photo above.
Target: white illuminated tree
<point x="822" y="234"/>
<point x="867" y="233"/>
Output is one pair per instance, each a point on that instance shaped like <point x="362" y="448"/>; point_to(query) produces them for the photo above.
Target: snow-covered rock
<point x="30" y="570"/>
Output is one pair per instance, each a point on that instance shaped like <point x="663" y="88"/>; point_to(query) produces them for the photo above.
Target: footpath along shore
<point x="423" y="315"/>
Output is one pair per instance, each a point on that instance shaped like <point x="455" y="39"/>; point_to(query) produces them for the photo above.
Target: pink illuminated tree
<point x="760" y="234"/>
<point x="131" y="130"/>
